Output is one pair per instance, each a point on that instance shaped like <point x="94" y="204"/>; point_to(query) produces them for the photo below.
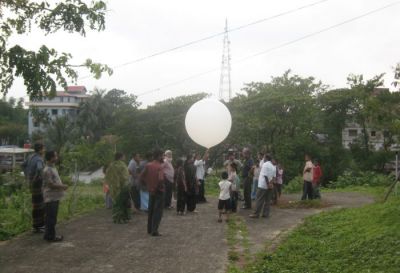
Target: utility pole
<point x="225" y="91"/>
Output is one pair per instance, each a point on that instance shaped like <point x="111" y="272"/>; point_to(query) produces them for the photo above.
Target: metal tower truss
<point x="225" y="91"/>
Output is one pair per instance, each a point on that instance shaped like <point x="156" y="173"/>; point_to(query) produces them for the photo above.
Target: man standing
<point x="133" y="168"/>
<point x="53" y="191"/>
<point x="231" y="159"/>
<point x="200" y="163"/>
<point x="33" y="169"/>
<point x="247" y="179"/>
<point x="153" y="177"/>
<point x="308" y="178"/>
<point x="265" y="188"/>
<point x="317" y="174"/>
<point x="169" y="178"/>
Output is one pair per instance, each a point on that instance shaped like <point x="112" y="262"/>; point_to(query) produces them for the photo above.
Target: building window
<point x="54" y="112"/>
<point x="61" y="99"/>
<point x="352" y="133"/>
<point x="36" y="123"/>
<point x="68" y="99"/>
<point x="373" y="133"/>
<point x="63" y="111"/>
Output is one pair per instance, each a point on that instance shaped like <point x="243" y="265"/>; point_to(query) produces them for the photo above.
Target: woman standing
<point x="191" y="182"/>
<point x="117" y="178"/>
<point x="181" y="187"/>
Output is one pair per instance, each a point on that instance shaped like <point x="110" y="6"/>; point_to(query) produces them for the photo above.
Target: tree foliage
<point x="43" y="69"/>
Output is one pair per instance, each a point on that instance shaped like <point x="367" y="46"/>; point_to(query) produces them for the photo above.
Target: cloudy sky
<point x="135" y="29"/>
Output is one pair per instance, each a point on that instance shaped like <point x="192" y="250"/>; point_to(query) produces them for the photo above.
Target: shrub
<point x="295" y="185"/>
<point x="361" y="179"/>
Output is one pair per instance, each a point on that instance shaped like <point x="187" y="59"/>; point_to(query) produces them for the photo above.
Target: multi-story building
<point x="64" y="103"/>
<point x="353" y="131"/>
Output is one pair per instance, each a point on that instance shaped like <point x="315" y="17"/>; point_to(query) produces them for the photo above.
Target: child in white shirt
<point x="224" y="196"/>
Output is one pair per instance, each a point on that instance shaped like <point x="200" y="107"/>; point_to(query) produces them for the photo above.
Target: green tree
<point x="43" y="69"/>
<point x="13" y="122"/>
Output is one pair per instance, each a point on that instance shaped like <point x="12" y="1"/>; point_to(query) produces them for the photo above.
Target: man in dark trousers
<point x="53" y="192"/>
<point x="153" y="178"/>
<point x="247" y="178"/>
<point x="33" y="169"/>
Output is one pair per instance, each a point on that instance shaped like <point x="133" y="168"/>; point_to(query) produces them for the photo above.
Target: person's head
<point x="189" y="159"/>
<point x="168" y="155"/>
<point x="316" y="162"/>
<point x="231" y="155"/>
<point x="267" y="157"/>
<point x="119" y="156"/>
<point x="233" y="167"/>
<point x="198" y="156"/>
<point x="246" y="152"/>
<point x="51" y="157"/>
<point x="179" y="163"/>
<point x="224" y="175"/>
<point x="148" y="156"/>
<point x="274" y="162"/>
<point x="307" y="157"/>
<point x="38" y="147"/>
<point x="136" y="157"/>
<point x="158" y="155"/>
<point x="260" y="156"/>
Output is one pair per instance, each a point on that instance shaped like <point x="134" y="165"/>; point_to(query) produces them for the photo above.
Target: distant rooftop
<point x="77" y="89"/>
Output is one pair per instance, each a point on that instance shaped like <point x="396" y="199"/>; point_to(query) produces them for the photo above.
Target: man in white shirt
<point x="308" y="178"/>
<point x="200" y="163"/>
<point x="265" y="188"/>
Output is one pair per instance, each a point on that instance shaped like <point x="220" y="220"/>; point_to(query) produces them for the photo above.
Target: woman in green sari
<point x="117" y="178"/>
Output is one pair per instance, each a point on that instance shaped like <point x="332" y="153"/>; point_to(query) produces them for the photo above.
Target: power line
<point x="276" y="47"/>
<point x="214" y="35"/>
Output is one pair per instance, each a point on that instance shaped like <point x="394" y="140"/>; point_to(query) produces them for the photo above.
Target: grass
<point x="238" y="242"/>
<point x="15" y="210"/>
<point x="358" y="240"/>
<point x="211" y="185"/>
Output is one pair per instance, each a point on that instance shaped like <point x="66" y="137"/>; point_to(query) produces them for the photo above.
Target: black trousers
<point x="136" y="196"/>
<point x="181" y="200"/>
<point x="234" y="200"/>
<point x="248" y="182"/>
<point x="191" y="201"/>
<point x="38" y="206"/>
<point x="168" y="193"/>
<point x="307" y="191"/>
<point x="201" y="196"/>
<point x="51" y="220"/>
<point x="156" y="207"/>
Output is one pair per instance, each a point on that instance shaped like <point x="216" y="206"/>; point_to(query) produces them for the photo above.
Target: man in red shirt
<point x="317" y="174"/>
<point x="153" y="177"/>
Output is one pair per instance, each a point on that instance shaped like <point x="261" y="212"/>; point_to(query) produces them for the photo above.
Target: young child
<point x="106" y="191"/>
<point x="224" y="196"/>
<point x="235" y="188"/>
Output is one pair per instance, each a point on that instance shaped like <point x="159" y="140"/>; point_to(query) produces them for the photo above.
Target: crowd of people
<point x="151" y="184"/>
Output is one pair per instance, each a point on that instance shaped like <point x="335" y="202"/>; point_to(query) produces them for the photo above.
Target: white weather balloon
<point x="208" y="122"/>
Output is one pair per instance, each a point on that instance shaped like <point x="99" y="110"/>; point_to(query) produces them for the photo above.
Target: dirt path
<point x="191" y="243"/>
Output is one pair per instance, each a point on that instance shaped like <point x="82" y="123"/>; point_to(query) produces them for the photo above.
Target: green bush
<point x="294" y="186"/>
<point x="362" y="240"/>
<point x="372" y="179"/>
<point x="15" y="208"/>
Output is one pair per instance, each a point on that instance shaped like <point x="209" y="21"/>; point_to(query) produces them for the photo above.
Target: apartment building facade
<point x="64" y="103"/>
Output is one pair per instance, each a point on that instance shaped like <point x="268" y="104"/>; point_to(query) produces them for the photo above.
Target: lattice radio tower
<point x="225" y="91"/>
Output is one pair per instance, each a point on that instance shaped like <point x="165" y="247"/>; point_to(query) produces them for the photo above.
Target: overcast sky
<point x="136" y="29"/>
